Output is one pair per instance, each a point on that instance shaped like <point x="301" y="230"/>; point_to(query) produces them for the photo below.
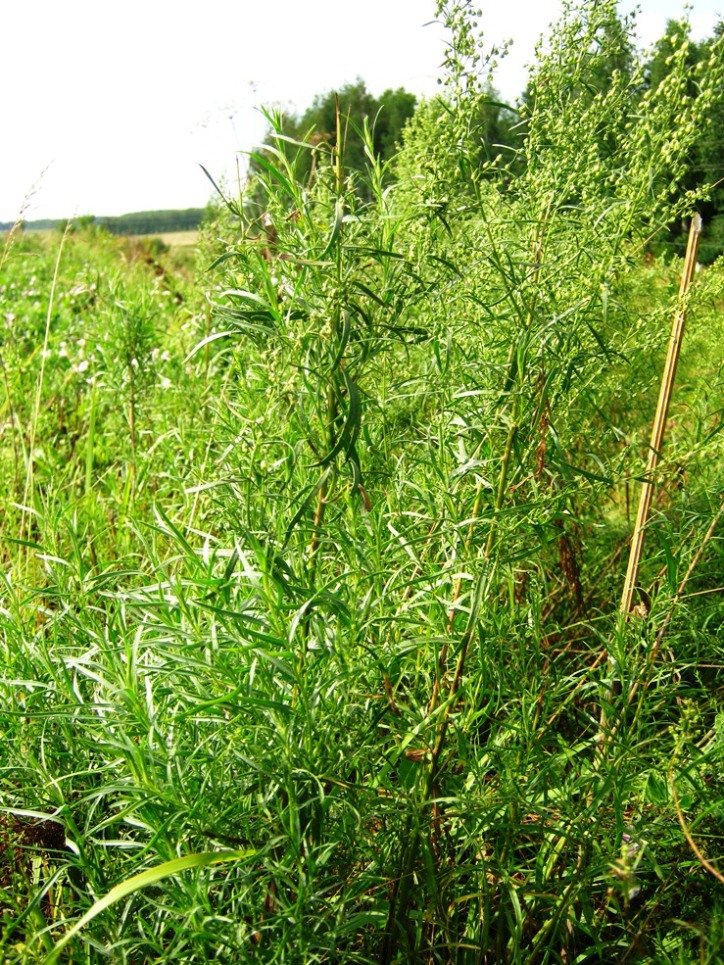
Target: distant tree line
<point x="136" y="223"/>
<point x="154" y="222"/>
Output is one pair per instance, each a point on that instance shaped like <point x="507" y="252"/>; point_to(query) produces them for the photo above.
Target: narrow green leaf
<point x="206" y="341"/>
<point x="336" y="230"/>
<point x="343" y="342"/>
<point x="311" y="491"/>
<point x="352" y="423"/>
<point x="131" y="885"/>
<point x="234" y="208"/>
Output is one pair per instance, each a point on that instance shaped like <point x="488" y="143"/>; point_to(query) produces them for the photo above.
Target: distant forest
<point x="136" y="223"/>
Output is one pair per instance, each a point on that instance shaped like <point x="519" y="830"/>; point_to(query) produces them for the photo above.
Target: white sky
<point x="109" y="107"/>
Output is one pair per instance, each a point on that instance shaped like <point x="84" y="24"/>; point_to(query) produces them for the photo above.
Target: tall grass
<point x="340" y="598"/>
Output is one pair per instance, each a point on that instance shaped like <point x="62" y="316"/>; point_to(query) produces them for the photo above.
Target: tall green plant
<point x="364" y="633"/>
<point x="451" y="340"/>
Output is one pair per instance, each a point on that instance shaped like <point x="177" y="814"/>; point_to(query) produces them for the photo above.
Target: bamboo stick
<point x="662" y="410"/>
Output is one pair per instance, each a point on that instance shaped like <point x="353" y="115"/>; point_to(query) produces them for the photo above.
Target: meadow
<point x="313" y="544"/>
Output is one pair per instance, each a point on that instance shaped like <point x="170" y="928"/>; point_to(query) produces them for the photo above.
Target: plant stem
<point x="332" y="399"/>
<point x="90" y="442"/>
<point x="30" y="473"/>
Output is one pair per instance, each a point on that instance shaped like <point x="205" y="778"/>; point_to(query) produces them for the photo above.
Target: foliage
<point x="386" y="116"/>
<point x="310" y="645"/>
<point x="704" y="167"/>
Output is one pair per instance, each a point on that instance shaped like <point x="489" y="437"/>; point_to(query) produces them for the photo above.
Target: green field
<point x="313" y="537"/>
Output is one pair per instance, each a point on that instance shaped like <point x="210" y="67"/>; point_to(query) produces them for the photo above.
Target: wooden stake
<point x="662" y="411"/>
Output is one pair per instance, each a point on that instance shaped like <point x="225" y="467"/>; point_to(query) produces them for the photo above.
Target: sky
<point x="111" y="107"/>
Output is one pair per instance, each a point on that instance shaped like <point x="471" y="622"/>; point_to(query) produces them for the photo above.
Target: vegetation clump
<point x="310" y="640"/>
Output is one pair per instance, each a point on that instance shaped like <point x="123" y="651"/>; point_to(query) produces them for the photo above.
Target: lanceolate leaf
<point x="343" y="342"/>
<point x="234" y="208"/>
<point x="336" y="230"/>
<point x="352" y="423"/>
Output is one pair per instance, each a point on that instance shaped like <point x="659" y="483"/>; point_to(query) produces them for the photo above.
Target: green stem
<point x="332" y="399"/>
<point x="132" y="425"/>
<point x="29" y="476"/>
<point x="502" y="484"/>
<point x="89" y="454"/>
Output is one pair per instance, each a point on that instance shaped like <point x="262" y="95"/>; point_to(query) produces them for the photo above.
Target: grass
<point x="309" y="606"/>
